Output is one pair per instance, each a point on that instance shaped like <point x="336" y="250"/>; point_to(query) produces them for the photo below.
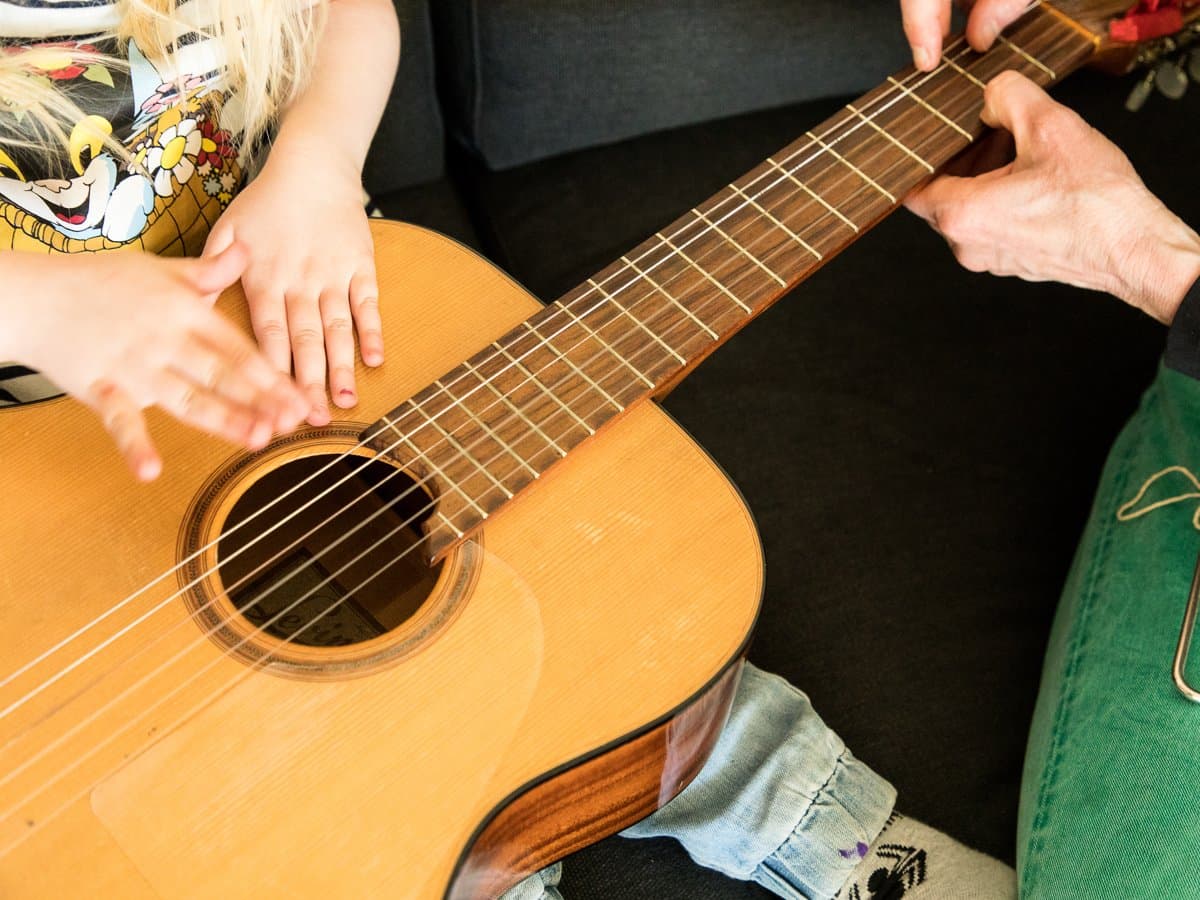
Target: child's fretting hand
<point x="124" y="331"/>
<point x="310" y="281"/>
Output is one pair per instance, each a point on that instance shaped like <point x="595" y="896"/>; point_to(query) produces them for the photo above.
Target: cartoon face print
<point x="185" y="167"/>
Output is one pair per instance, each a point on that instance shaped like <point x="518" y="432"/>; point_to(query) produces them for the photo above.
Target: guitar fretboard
<point x="487" y="429"/>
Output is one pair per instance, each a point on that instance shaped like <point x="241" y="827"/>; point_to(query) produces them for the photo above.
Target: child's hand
<point x="125" y="331"/>
<point x="310" y="281"/>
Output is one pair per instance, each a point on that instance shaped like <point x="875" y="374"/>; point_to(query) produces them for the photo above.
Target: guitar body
<point x="567" y="674"/>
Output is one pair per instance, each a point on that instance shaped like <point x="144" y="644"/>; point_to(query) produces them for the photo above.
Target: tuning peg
<point x="1141" y="93"/>
<point x="1194" y="65"/>
<point x="1171" y="79"/>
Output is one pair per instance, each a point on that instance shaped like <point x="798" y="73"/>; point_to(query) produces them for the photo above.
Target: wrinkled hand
<point x="311" y="275"/>
<point x="1069" y="208"/>
<point x="927" y="22"/>
<point x="125" y="331"/>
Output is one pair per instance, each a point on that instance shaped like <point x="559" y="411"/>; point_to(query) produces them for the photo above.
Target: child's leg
<point x="781" y="801"/>
<point x="1109" y="801"/>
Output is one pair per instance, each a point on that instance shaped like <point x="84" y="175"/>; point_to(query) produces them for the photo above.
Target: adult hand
<point x="1069" y="208"/>
<point x="123" y="331"/>
<point x="310" y="281"/>
<point x="926" y="22"/>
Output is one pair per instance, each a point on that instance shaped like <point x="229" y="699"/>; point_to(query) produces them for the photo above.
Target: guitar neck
<point x="489" y="428"/>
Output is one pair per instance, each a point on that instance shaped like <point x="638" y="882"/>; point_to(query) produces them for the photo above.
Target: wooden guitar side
<point x="580" y="684"/>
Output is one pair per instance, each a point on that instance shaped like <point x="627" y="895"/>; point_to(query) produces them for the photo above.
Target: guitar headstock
<point x="1130" y="37"/>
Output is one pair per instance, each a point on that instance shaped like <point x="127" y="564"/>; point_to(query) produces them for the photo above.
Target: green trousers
<point x="1110" y="801"/>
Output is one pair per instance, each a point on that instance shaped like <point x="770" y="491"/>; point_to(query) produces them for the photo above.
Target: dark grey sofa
<point x="918" y="444"/>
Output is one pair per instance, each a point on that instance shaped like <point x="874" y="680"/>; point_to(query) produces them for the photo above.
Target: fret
<point x="932" y="109"/>
<point x="578" y="371"/>
<point x="521" y="461"/>
<point x="946" y="60"/>
<point x="535" y="381"/>
<point x="746" y="253"/>
<point x="855" y="169"/>
<point x="1037" y="63"/>
<point x="638" y="322"/>
<point x="821" y="200"/>
<point x="795" y="237"/>
<point x="487" y="382"/>
<point x="707" y="275"/>
<point x="870" y="121"/>
<point x="422" y="457"/>
<point x="463" y="452"/>
<point x="658" y="287"/>
<point x="637" y="373"/>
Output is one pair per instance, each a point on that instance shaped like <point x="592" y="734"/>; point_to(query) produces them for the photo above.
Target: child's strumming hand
<point x="124" y="331"/>
<point x="310" y="281"/>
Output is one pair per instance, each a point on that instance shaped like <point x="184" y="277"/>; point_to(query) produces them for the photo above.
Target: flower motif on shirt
<point x="58" y="61"/>
<point x="216" y="145"/>
<point x="172" y="157"/>
<point x="167" y="94"/>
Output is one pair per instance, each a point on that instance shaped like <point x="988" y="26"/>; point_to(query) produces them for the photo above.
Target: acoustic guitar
<point x="494" y="613"/>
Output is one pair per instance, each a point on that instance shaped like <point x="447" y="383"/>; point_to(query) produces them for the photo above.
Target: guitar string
<point x="411" y="548"/>
<point x="112" y="610"/>
<point x="120" y="605"/>
<point x="889" y="169"/>
<point x="601" y="342"/>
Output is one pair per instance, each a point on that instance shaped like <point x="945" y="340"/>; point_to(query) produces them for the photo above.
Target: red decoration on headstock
<point x="1149" y="19"/>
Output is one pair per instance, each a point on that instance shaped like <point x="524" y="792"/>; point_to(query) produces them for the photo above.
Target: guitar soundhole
<point x="326" y="551"/>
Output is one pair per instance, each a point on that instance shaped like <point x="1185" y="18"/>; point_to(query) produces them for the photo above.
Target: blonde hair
<point x="267" y="46"/>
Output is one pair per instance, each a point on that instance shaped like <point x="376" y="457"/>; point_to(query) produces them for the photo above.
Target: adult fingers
<point x="339" y="345"/>
<point x="364" y="302"/>
<point x="1013" y="102"/>
<point x="989" y="17"/>
<point x="123" y="420"/>
<point x="926" y="22"/>
<point x="308" y="351"/>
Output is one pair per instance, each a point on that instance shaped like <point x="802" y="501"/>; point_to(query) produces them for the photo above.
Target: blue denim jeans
<point x="781" y="801"/>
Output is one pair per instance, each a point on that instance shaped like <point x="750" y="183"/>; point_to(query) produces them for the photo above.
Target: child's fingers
<point x="339" y="345"/>
<point x="123" y="420"/>
<point x="364" y="302"/>
<point x="308" y="350"/>
<point x="268" y="316"/>
<point x="212" y="274"/>
<point x="201" y="408"/>
<point x="229" y="364"/>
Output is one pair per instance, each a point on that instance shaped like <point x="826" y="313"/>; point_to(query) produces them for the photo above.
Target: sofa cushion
<point x="409" y="145"/>
<point x="528" y="79"/>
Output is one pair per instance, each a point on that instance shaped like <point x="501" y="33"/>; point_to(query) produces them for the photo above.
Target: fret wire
<point x="936" y="112"/>
<point x="640" y="324"/>
<point x="607" y="346"/>
<point x="537" y="382"/>
<point x="795" y="237"/>
<point x="966" y="74"/>
<point x="582" y="374"/>
<point x="859" y="172"/>
<point x="1038" y="63"/>
<point x="462" y="451"/>
<point x="746" y="253"/>
<point x="436" y="468"/>
<point x="873" y="124"/>
<point x="658" y="287"/>
<point x="496" y="437"/>
<point x="504" y="398"/>
<point x="695" y="265"/>
<point x="813" y="193"/>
